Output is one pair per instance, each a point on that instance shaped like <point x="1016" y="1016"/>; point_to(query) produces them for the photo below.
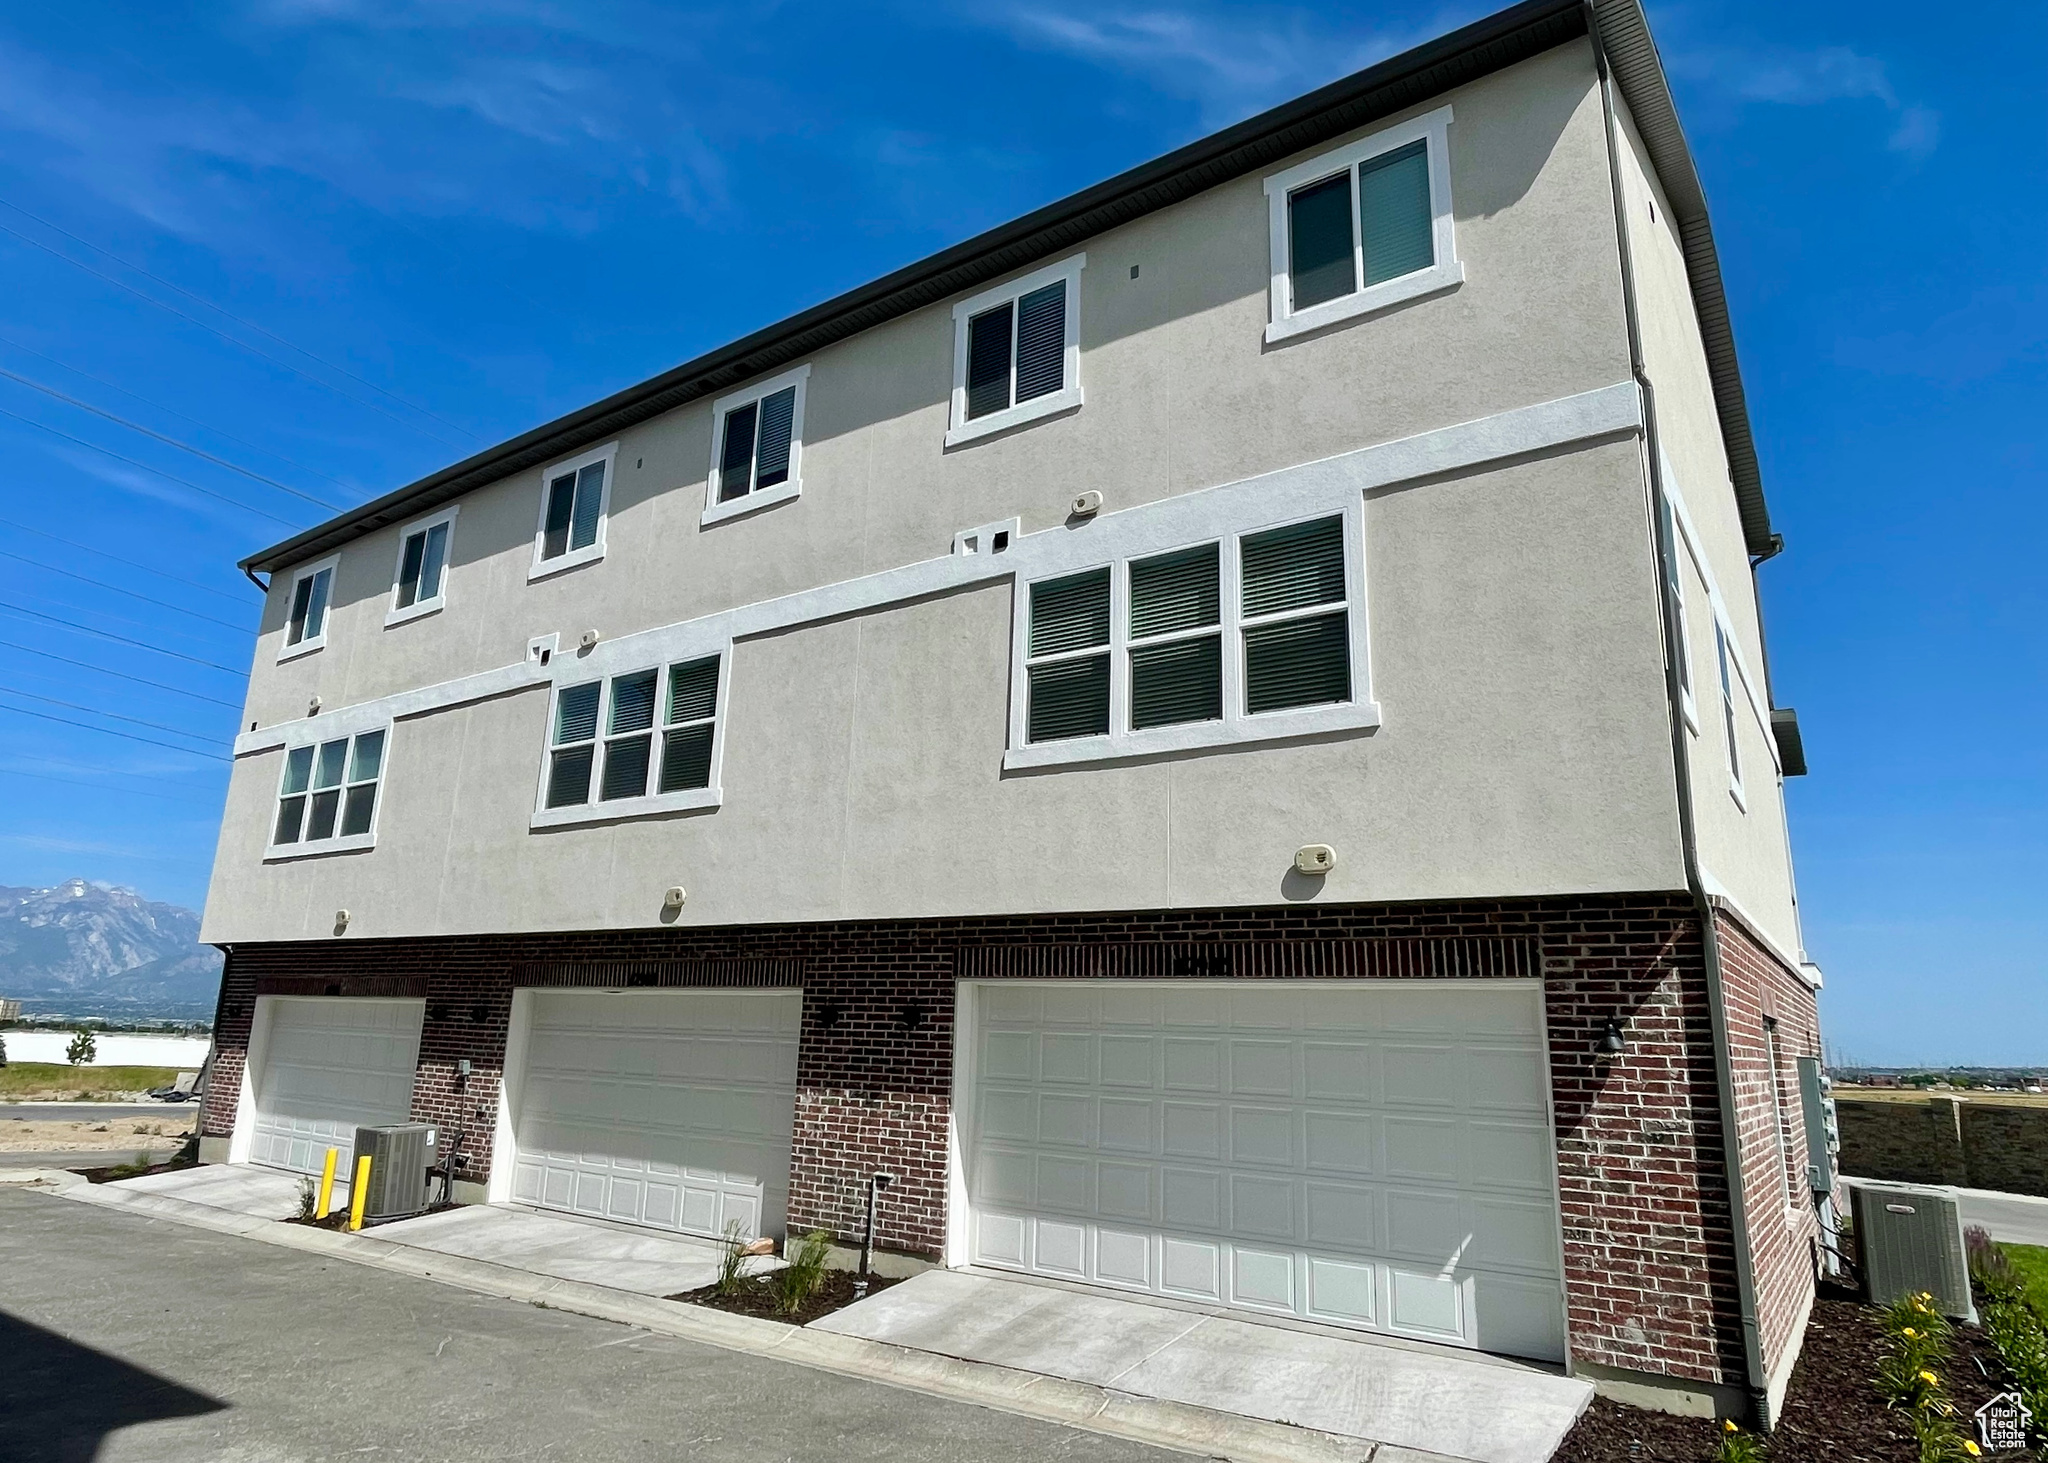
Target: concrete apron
<point x="1411" y="1396"/>
<point x="1201" y="1430"/>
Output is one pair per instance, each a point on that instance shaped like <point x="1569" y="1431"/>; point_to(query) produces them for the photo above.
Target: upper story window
<point x="305" y="626"/>
<point x="420" y="584"/>
<point x="575" y="501"/>
<point x="1017" y="352"/>
<point x="757" y="446"/>
<point x="327" y="796"/>
<point x="1251" y="636"/>
<point x="1724" y="657"/>
<point x="645" y="741"/>
<point x="1363" y="227"/>
<point x="1674" y="583"/>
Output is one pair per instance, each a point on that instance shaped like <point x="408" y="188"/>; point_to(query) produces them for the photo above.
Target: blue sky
<point x="339" y="243"/>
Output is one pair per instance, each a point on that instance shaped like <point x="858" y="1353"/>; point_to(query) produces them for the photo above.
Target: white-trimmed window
<point x="327" y="795"/>
<point x="644" y="741"/>
<point x="306" y="612"/>
<point x="1253" y="635"/>
<point x="757" y="446"/>
<point x="1724" y="657"/>
<point x="419" y="582"/>
<point x="1363" y="227"/>
<point x="575" y="501"/>
<point x="1017" y="351"/>
<point x="1674" y="581"/>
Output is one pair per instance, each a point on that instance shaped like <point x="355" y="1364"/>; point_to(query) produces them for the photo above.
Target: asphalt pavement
<point x="131" y="1339"/>
<point x="2014" y="1218"/>
<point x="78" y="1112"/>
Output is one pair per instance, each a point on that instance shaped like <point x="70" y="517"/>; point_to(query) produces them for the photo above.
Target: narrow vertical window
<point x="758" y="445"/>
<point x="307" y="622"/>
<point x="1068" y="675"/>
<point x="1395" y="224"/>
<point x="1322" y="257"/>
<point x="1674" y="583"/>
<point x="359" y="803"/>
<point x="572" y="513"/>
<point x="989" y="337"/>
<point x="574" y="753"/>
<point x="561" y="510"/>
<point x="736" y="470"/>
<point x="692" y="712"/>
<point x="629" y="746"/>
<point x="422" y="565"/>
<point x="1176" y="641"/>
<point x="291" y="802"/>
<point x="1725" y="659"/>
<point x="1297" y="641"/>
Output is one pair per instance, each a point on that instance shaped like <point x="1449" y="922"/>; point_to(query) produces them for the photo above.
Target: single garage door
<point x="665" y="1108"/>
<point x="1367" y="1154"/>
<point x="329" y="1066"/>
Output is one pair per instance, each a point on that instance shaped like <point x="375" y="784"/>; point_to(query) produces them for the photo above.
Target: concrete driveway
<point x="1443" y="1403"/>
<point x="638" y="1260"/>
<point x="130" y="1339"/>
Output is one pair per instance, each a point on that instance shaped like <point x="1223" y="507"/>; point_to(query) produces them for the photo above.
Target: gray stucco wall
<point x="1512" y="614"/>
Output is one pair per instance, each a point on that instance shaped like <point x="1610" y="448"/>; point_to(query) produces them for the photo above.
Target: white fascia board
<point x="1166" y="523"/>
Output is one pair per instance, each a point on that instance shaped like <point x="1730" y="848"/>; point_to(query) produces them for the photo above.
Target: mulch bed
<point x="756" y="1297"/>
<point x="1832" y="1410"/>
<point x="339" y="1218"/>
<point x="119" y="1171"/>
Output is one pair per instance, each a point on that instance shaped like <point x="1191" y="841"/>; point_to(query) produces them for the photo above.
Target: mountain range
<point x="87" y="949"/>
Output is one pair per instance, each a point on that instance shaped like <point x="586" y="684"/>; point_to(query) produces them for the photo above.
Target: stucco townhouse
<point x="1219" y="733"/>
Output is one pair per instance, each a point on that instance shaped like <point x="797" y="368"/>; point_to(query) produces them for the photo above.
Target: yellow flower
<point x="1972" y="1449"/>
<point x="1910" y="1334"/>
<point x="1930" y="1379"/>
<point x="1728" y="1425"/>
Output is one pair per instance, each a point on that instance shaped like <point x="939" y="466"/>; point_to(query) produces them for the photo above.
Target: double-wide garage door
<point x="328" y="1066"/>
<point x="665" y="1108"/>
<point x="1373" y="1154"/>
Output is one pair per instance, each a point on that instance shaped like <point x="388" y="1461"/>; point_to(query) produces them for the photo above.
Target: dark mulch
<point x="116" y="1172"/>
<point x="339" y="1218"/>
<point x="756" y="1297"/>
<point x="1832" y="1409"/>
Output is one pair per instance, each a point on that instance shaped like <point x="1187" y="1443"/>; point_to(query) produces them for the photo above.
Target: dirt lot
<point x="31" y="1136"/>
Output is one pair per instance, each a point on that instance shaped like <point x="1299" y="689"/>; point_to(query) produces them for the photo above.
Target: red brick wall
<point x="1647" y="1238"/>
<point x="1783" y="1227"/>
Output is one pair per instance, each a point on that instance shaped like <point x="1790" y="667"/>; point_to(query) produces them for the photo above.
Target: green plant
<point x="82" y="1049"/>
<point x="803" y="1271"/>
<point x="732" y="1252"/>
<point x="309" y="1193"/>
<point x="1737" y="1446"/>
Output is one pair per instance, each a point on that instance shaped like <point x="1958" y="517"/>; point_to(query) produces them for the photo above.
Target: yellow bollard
<point x="359" y="1193"/>
<point x="321" y="1209"/>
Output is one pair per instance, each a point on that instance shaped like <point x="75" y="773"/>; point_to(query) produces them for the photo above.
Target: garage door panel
<point x="671" y="1109"/>
<point x="331" y="1065"/>
<point x="1280" y="1150"/>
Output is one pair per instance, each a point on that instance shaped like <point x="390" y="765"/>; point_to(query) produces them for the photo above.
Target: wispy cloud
<point x="1231" y="64"/>
<point x="1730" y="77"/>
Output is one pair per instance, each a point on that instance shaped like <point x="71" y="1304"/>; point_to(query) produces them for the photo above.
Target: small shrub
<point x="82" y="1050"/>
<point x="309" y="1195"/>
<point x="1990" y="1266"/>
<point x="803" y="1271"/>
<point x="732" y="1253"/>
<point x="1737" y="1446"/>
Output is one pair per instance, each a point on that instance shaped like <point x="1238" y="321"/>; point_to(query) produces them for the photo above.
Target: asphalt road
<point x="128" y="1338"/>
<point x="2014" y="1218"/>
<point x="78" y="1112"/>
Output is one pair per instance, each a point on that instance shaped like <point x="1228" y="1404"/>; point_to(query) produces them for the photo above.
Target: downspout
<point x="250" y="575"/>
<point x="1710" y="943"/>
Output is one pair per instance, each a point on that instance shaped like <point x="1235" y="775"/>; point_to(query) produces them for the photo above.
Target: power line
<point x="126" y="792"/>
<point x="172" y="411"/>
<point x="216" y="330"/>
<point x="247" y="324"/>
<point x="134" y="462"/>
<point x="107" y="731"/>
<point x="171" y="441"/>
<point x="123" y="675"/>
<point x="176" y="731"/>
<point x="240" y="599"/>
<point x="162" y="604"/>
<point x="121" y="639"/>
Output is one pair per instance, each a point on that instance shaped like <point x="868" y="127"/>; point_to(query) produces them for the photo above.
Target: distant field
<point x="56" y="1082"/>
<point x="1914" y="1094"/>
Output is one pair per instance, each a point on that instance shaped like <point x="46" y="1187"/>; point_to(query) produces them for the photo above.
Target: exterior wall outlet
<point x="1315" y="858"/>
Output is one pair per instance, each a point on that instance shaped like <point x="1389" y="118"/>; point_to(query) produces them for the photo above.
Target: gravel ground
<point x="31" y="1136"/>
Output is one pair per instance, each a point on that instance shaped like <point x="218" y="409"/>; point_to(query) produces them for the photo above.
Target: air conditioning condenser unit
<point x="1911" y="1236"/>
<point x="400" y="1156"/>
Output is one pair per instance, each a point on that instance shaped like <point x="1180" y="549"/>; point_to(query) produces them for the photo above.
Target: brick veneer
<point x="1648" y="1248"/>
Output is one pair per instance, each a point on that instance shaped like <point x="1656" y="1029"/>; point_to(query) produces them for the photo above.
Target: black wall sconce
<point x="910" y="1015"/>
<point x="1612" y="1043"/>
<point x="828" y="1014"/>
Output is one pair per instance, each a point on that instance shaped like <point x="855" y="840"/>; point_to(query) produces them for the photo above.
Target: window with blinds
<point x="1362" y="227"/>
<point x="757" y="443"/>
<point x="306" y="620"/>
<point x="1017" y="356"/>
<point x="574" y="499"/>
<point x="328" y="792"/>
<point x="644" y="734"/>
<point x="1221" y="632"/>
<point x="421" y="580"/>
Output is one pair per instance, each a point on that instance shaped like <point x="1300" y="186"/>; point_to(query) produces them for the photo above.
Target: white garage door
<point x="330" y="1065"/>
<point x="1367" y="1154"/>
<point x="665" y="1108"/>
